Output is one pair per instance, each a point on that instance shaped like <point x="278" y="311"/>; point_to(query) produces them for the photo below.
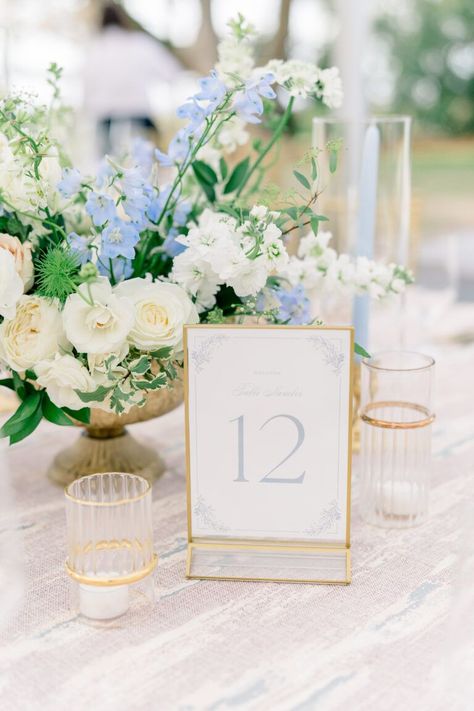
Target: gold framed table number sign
<point x="268" y="448"/>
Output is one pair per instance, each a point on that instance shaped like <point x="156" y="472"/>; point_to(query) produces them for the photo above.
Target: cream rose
<point x="22" y="256"/>
<point x="61" y="377"/>
<point x="161" y="310"/>
<point x="11" y="285"/>
<point x="35" y="333"/>
<point x="96" y="320"/>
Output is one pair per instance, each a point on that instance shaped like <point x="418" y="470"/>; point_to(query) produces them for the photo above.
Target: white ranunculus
<point x="161" y="310"/>
<point x="35" y="333"/>
<point x="11" y="285"/>
<point x="61" y="376"/>
<point x="96" y="319"/>
<point x="22" y="256"/>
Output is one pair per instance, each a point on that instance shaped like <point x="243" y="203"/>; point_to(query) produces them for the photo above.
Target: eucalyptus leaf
<point x="302" y="179"/>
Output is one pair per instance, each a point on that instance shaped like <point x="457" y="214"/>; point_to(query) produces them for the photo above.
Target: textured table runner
<point x="389" y="641"/>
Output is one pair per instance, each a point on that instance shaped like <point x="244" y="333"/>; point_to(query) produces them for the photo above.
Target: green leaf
<point x="27" y="426"/>
<point x="141" y="366"/>
<point x="19" y="385"/>
<point x="292" y="212"/>
<point x="314" y="169"/>
<point x="302" y="179"/>
<point x="223" y="168"/>
<point x="31" y="375"/>
<point x="96" y="396"/>
<point x="24" y="411"/>
<point x="361" y="351"/>
<point x="209" y="191"/>
<point x="7" y="383"/>
<point x="154" y="384"/>
<point x="237" y="176"/>
<point x="162" y="353"/>
<point x="83" y="415"/>
<point x="54" y="414"/>
<point x="332" y="161"/>
<point x="204" y="173"/>
<point x="314" y="225"/>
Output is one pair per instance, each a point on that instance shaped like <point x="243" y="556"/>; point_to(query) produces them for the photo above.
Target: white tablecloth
<point x="389" y="641"/>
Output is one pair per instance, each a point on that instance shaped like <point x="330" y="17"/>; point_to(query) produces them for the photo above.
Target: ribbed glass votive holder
<point x="396" y="414"/>
<point x="110" y="543"/>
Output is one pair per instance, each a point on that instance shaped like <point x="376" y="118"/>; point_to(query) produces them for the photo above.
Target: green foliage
<point x="359" y="350"/>
<point x="57" y="273"/>
<point x="237" y="177"/>
<point x="206" y="178"/>
<point x="430" y="54"/>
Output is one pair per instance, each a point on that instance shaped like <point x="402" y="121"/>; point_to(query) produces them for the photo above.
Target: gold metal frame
<point x="394" y="424"/>
<point x="247" y="544"/>
<point x="113" y="582"/>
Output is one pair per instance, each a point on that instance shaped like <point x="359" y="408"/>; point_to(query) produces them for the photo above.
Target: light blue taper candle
<point x="366" y="225"/>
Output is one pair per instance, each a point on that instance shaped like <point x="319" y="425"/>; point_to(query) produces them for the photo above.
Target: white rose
<point x="161" y="310"/>
<point x="96" y="320"/>
<point x="11" y="285"/>
<point x="61" y="377"/>
<point x="35" y="333"/>
<point x="22" y="255"/>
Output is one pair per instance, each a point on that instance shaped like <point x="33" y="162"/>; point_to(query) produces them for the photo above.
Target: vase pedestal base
<point x="116" y="452"/>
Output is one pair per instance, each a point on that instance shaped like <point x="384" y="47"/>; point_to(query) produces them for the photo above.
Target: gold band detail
<point x="413" y="424"/>
<point x="112" y="582"/>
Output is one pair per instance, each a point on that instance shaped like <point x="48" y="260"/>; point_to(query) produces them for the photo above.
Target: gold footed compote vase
<point x="107" y="446"/>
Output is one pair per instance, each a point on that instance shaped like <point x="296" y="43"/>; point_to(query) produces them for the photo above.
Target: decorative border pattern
<point x="332" y="354"/>
<point x="206" y="516"/>
<point x="327" y="520"/>
<point x="202" y="355"/>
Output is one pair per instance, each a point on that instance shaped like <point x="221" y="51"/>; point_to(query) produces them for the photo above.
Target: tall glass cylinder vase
<point x="367" y="200"/>
<point x="396" y="413"/>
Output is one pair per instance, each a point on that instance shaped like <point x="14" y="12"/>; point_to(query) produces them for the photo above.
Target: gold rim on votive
<point x="394" y="425"/>
<point x="128" y="500"/>
<point x="112" y="582"/>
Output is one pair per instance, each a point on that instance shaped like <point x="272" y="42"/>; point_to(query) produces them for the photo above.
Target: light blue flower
<point x="119" y="240"/>
<point x="100" y="207"/>
<point x="212" y="90"/>
<point x="120" y="268"/>
<point x="194" y="113"/>
<point x="104" y="173"/>
<point x="142" y="155"/>
<point x="294" y="305"/>
<point x="70" y="183"/>
<point x="249" y="104"/>
<point x="81" y="246"/>
<point x="178" y="149"/>
<point x="171" y="246"/>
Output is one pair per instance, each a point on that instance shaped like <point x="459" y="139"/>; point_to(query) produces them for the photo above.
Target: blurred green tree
<point x="431" y="45"/>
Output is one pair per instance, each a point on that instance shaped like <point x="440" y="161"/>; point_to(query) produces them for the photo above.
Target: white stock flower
<point x="36" y="333"/>
<point x="303" y="271"/>
<point x="298" y="77"/>
<point x="246" y="276"/>
<point x="232" y="135"/>
<point x="330" y="87"/>
<point x="273" y="249"/>
<point x="161" y="310"/>
<point x="314" y="245"/>
<point x="235" y="57"/>
<point x="61" y="377"/>
<point x="197" y="277"/>
<point x="22" y="256"/>
<point x="11" y="285"/>
<point x="96" y="319"/>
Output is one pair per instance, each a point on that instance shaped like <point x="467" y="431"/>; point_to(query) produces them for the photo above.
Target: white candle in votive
<point x="103" y="603"/>
<point x="400" y="498"/>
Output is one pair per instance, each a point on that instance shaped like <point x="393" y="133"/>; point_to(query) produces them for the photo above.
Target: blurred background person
<point x="121" y="65"/>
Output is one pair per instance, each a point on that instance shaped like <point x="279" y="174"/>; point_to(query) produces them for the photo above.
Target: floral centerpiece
<point x="99" y="273"/>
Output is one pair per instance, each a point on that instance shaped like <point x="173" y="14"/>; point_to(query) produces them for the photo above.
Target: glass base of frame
<point x="269" y="563"/>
